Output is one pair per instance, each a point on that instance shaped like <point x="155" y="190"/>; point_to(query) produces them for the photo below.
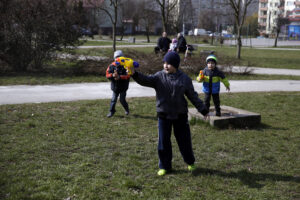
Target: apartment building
<point x="212" y="14"/>
<point x="270" y="10"/>
<point x="294" y="18"/>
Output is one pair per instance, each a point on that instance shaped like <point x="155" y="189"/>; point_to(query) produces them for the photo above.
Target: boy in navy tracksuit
<point x="211" y="78"/>
<point x="119" y="78"/>
<point x="171" y="85"/>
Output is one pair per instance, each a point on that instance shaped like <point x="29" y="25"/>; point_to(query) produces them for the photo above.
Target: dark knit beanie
<point x="172" y="58"/>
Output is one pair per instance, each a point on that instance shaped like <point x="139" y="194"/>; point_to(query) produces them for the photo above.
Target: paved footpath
<point x="267" y="71"/>
<point x="19" y="94"/>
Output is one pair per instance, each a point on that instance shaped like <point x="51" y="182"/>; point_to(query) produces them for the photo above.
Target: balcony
<point x="263" y="24"/>
<point x="294" y="18"/>
<point x="263" y="8"/>
<point x="263" y="16"/>
<point x="263" y="1"/>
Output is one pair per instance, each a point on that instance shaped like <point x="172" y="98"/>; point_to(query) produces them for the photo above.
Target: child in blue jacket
<point x="211" y="77"/>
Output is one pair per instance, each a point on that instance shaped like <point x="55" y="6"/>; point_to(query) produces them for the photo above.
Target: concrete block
<point x="231" y="117"/>
<point x="131" y="39"/>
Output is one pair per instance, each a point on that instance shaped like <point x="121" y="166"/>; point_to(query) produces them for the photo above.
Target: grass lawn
<point x="249" y="56"/>
<point x="142" y="38"/>
<point x="48" y="79"/>
<point x="107" y="43"/>
<point x="253" y="57"/>
<point x="261" y="57"/>
<point x="61" y="150"/>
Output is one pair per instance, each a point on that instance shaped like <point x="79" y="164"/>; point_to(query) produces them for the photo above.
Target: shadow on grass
<point x="136" y="116"/>
<point x="259" y="127"/>
<point x="266" y="126"/>
<point x="248" y="178"/>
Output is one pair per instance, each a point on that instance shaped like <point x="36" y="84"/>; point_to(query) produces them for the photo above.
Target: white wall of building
<point x="272" y="15"/>
<point x="289" y="6"/>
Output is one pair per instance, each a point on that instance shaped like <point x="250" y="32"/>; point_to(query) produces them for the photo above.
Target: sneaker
<point x="110" y="114"/>
<point x="218" y="114"/>
<point x="126" y="112"/>
<point x="191" y="167"/>
<point x="161" y="172"/>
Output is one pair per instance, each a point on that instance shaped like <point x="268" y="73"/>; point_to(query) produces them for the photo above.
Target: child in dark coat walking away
<point x="171" y="86"/>
<point x="119" y="78"/>
<point x="211" y="77"/>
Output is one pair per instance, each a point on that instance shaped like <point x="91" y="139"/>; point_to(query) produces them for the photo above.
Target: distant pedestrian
<point x="171" y="86"/>
<point x="119" y="78"/>
<point x="211" y="77"/>
<point x="163" y="44"/>
<point x="181" y="43"/>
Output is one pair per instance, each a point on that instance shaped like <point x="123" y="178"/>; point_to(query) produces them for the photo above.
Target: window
<point x="263" y="5"/>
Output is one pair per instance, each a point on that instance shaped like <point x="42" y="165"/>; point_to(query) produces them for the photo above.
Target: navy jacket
<point x="164" y="43"/>
<point x="122" y="84"/>
<point x="170" y="91"/>
<point x="181" y="44"/>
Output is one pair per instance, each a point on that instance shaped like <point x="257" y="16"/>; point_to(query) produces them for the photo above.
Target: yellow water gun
<point x="128" y="64"/>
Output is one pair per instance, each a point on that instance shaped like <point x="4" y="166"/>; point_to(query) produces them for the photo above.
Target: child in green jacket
<point x="211" y="77"/>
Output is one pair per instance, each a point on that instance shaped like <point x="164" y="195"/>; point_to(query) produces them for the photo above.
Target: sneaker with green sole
<point x="191" y="167"/>
<point x="161" y="172"/>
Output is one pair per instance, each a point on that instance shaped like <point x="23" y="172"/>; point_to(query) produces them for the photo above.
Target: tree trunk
<point x="163" y="17"/>
<point x="147" y="34"/>
<point x="239" y="43"/>
<point x="114" y="36"/>
<point x="115" y="25"/>
<point x="276" y="38"/>
<point x="122" y="32"/>
<point x="164" y="24"/>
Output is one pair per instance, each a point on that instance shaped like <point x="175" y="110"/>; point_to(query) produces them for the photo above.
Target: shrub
<point x="31" y="29"/>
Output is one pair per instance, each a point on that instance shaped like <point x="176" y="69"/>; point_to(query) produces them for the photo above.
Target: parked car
<point x="185" y="32"/>
<point x="86" y="32"/>
<point x="215" y="34"/>
<point x="83" y="31"/>
<point x="199" y="31"/>
<point x="227" y="35"/>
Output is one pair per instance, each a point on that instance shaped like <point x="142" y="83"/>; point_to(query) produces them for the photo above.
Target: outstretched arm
<point x="148" y="81"/>
<point x="226" y="83"/>
<point x="194" y="98"/>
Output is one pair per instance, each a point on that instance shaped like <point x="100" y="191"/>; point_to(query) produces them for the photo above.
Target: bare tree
<point x="147" y="16"/>
<point x="240" y="10"/>
<point x="110" y="7"/>
<point x="166" y="6"/>
<point x="184" y="18"/>
<point x="207" y="22"/>
<point x="114" y="4"/>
